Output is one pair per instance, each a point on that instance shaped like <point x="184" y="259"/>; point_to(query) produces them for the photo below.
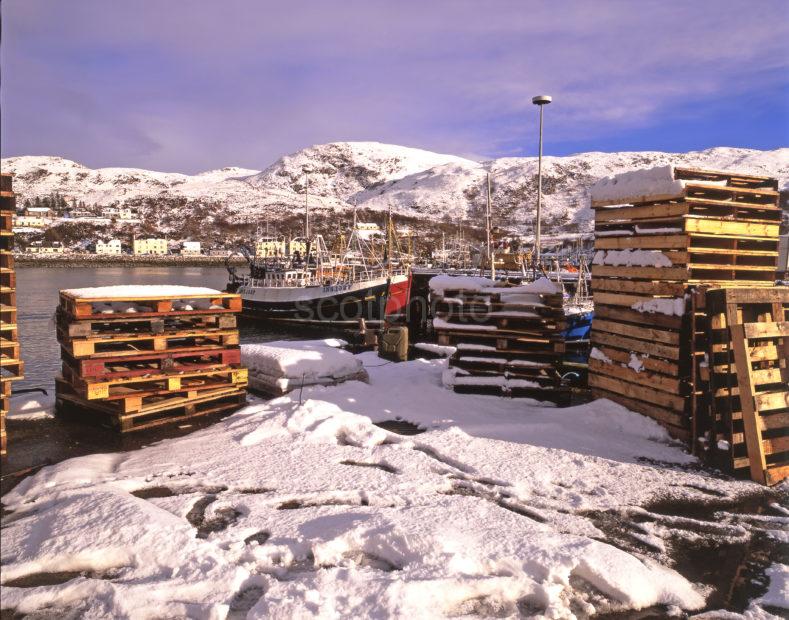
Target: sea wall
<point x="123" y="260"/>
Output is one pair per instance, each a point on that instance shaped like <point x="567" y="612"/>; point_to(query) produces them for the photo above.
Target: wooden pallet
<point x="103" y="388"/>
<point x="119" y="345"/>
<point x="129" y="324"/>
<point x="68" y="405"/>
<point x="509" y="342"/>
<point x="727" y="308"/>
<point x="90" y="308"/>
<point x="764" y="397"/>
<point x="738" y="188"/>
<point x="136" y="365"/>
<point x="11" y="366"/>
<point x="156" y="395"/>
<point x="722" y="235"/>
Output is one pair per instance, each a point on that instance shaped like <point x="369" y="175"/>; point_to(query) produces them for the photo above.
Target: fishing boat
<point x="312" y="285"/>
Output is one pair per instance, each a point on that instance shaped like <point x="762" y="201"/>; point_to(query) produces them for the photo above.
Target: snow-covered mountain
<point x="376" y="176"/>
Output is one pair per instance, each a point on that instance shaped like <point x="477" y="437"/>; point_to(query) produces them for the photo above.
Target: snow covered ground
<point x="501" y="508"/>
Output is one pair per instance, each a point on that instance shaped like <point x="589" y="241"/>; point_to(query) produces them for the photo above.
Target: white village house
<point x="369" y="230"/>
<point x="111" y="246"/>
<point x="190" y="248"/>
<point x="121" y="213"/>
<point x="39" y="247"/>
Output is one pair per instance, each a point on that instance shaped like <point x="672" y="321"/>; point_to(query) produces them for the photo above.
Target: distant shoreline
<point x="124" y="260"/>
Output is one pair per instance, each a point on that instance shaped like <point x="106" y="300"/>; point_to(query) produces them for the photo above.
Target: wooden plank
<point x="637" y="346"/>
<point x="644" y="242"/>
<point x="634" y="199"/>
<point x="638" y="392"/>
<point x="766" y="376"/>
<point x="778" y="329"/>
<point x="686" y="173"/>
<point x="776" y="474"/>
<point x="618" y="299"/>
<point x="645" y="377"/>
<point x="628" y="214"/>
<point x="627" y="315"/>
<point x="753" y="434"/>
<point x="700" y="185"/>
<point x="775" y="445"/>
<point x="641" y="332"/>
<point x="731" y="228"/>
<point x="650" y="363"/>
<point x="731" y="267"/>
<point x="769" y="401"/>
<point x="642" y="273"/>
<point x="774" y="421"/>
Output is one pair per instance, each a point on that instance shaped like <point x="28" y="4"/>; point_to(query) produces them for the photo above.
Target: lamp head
<point x="541" y="99"/>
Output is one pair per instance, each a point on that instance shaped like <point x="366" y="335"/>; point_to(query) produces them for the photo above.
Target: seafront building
<point x="149" y="246"/>
<point x="190" y="248"/>
<point x="369" y="231"/>
<point x="298" y="244"/>
<point x="39" y="247"/>
<point x="112" y="246"/>
<point x="270" y="246"/>
<point x="120" y="213"/>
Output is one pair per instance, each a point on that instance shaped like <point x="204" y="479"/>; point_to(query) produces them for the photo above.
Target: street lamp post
<point x="539" y="100"/>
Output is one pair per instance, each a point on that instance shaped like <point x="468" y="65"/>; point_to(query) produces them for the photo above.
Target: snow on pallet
<point x="141" y="356"/>
<point x="709" y="231"/>
<point x="508" y="339"/>
<point x="712" y="228"/>
<point x="146" y="300"/>
<point x="276" y="368"/>
<point x="746" y="413"/>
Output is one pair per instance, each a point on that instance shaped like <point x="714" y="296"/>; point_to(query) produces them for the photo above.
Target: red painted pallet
<point x="135" y="365"/>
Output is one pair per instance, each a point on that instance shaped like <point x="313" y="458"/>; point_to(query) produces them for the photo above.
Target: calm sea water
<point x="37" y="299"/>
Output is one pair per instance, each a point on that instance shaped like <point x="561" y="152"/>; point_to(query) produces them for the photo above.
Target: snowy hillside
<point x="376" y="176"/>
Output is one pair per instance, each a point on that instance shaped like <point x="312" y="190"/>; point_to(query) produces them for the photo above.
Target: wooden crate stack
<point x="747" y="370"/>
<point x="509" y="340"/>
<point x="653" y="249"/>
<point x="11" y="367"/>
<point x="148" y="358"/>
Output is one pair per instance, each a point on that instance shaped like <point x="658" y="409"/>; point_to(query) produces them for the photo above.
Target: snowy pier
<point x="499" y="507"/>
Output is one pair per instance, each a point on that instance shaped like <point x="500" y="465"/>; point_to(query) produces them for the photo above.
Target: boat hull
<point x="344" y="302"/>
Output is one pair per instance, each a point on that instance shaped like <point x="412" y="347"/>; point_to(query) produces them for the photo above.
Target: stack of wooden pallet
<point x="747" y="370"/>
<point x="142" y="356"/>
<point x="658" y="234"/>
<point x="11" y="367"/>
<point x="509" y="340"/>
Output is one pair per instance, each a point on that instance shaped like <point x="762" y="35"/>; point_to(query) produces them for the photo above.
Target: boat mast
<point x="490" y="248"/>
<point x="306" y="205"/>
<point x="389" y="244"/>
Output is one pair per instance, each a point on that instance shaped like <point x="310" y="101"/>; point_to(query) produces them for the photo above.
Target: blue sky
<point x="188" y="85"/>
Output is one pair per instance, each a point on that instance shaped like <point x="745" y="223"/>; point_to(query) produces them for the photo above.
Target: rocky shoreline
<point x="123" y="260"/>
